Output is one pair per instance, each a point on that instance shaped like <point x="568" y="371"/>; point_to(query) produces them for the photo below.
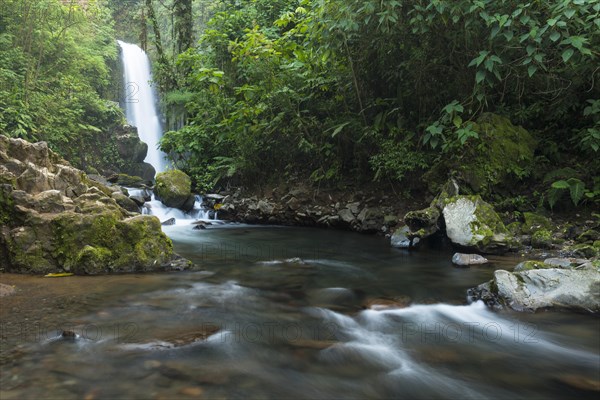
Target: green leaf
<point x="555" y="36"/>
<point x="531" y="70"/>
<point x="338" y="129"/>
<point x="576" y="190"/>
<point x="569" y="13"/>
<point x="480" y="76"/>
<point x="560" y="185"/>
<point x="457" y="121"/>
<point x="553" y="196"/>
<point x="567" y="54"/>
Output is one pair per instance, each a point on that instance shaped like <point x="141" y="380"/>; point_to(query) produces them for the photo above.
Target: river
<point x="288" y="313"/>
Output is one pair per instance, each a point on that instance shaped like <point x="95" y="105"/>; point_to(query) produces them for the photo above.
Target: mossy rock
<point x="586" y="250"/>
<point x="534" y="222"/>
<point x="529" y="265"/>
<point x="504" y="153"/>
<point x="590" y="236"/>
<point x="128" y="180"/>
<point x="422" y="223"/>
<point x="473" y="224"/>
<point x="542" y="239"/>
<point x="174" y="189"/>
<point x="514" y="228"/>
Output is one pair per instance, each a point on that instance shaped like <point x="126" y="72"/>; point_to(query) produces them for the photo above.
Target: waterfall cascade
<point x="141" y="112"/>
<point x="140" y="102"/>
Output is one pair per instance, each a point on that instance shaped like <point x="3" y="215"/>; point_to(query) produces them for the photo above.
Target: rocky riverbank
<point x="56" y="220"/>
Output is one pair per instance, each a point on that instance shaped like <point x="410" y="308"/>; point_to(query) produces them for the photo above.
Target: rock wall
<point x="55" y="219"/>
<point x="306" y="207"/>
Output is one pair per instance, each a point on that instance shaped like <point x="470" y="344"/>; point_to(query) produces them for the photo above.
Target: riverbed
<point x="282" y="312"/>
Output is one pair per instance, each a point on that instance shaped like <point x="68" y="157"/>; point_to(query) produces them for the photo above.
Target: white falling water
<point x="140" y="102"/>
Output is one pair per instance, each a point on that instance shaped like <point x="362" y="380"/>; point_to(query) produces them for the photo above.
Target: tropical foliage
<point x="55" y="74"/>
<point x="381" y="90"/>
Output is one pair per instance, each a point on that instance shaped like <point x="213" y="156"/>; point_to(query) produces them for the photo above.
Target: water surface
<point x="288" y="313"/>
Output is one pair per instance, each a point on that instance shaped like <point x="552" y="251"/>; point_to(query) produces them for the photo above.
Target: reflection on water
<point x="288" y="313"/>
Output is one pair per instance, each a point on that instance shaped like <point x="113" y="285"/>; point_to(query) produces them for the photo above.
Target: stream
<point x="283" y="312"/>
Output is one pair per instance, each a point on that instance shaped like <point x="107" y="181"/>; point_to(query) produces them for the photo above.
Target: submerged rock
<point x="473" y="224"/>
<point x="401" y="240"/>
<point x="64" y="222"/>
<point x="468" y="259"/>
<point x="6" y="290"/>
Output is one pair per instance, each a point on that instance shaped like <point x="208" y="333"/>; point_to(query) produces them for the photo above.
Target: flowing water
<point x="140" y="102"/>
<point x="281" y="313"/>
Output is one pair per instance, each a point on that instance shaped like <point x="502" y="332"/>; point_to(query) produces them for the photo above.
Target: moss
<point x="590" y="235"/>
<point x="529" y="265"/>
<point x="514" y="228"/>
<point x="534" y="222"/>
<point x="131" y="181"/>
<point x="542" y="239"/>
<point x="93" y="260"/>
<point x="6" y="205"/>
<point x="173" y="188"/>
<point x="504" y="152"/>
<point x="90" y="183"/>
<point x="585" y="250"/>
<point x="487" y="223"/>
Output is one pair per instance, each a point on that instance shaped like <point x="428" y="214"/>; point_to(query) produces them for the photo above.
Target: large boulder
<point x="174" y="189"/>
<point x="529" y="290"/>
<point x="64" y="222"/>
<point x="129" y="146"/>
<point x="504" y="153"/>
<point x="471" y="223"/>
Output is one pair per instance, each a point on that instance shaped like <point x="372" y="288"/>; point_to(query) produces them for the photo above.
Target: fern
<point x="575" y="187"/>
<point x="576" y="190"/>
<point x="562" y="173"/>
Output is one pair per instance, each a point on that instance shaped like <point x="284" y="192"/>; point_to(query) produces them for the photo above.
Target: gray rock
<point x="544" y="288"/>
<point x="566" y="262"/>
<point x="370" y="219"/>
<point x="423" y="223"/>
<point x="170" y="221"/>
<point x="215" y="197"/>
<point x="473" y="224"/>
<point x="346" y="216"/>
<point x="353" y="207"/>
<point x="294" y="204"/>
<point x="468" y="259"/>
<point x="265" y="207"/>
<point x="126" y="202"/>
<point x="139" y="200"/>
<point x="401" y="240"/>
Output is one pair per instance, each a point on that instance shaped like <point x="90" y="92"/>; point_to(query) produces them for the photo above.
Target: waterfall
<point x="140" y="102"/>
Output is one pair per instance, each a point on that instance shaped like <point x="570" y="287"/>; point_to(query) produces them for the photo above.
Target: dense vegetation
<point x="56" y="60"/>
<point x="340" y="89"/>
<point x="327" y="91"/>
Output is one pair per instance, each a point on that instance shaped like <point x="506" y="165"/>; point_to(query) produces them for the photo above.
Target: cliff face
<point x="55" y="219"/>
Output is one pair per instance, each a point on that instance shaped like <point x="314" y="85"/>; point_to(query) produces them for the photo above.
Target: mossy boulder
<point x="504" y="152"/>
<point x="69" y="226"/>
<point x="534" y="222"/>
<point x="586" y="250"/>
<point x="174" y="189"/>
<point x="471" y="223"/>
<point x="529" y="265"/>
<point x="422" y="223"/>
<point x="542" y="239"/>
